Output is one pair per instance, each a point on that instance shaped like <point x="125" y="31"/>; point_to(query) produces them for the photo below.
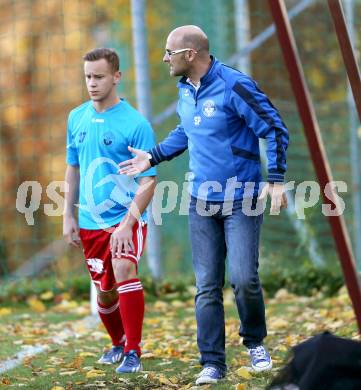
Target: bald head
<point x="192" y="37"/>
<point x="187" y="52"/>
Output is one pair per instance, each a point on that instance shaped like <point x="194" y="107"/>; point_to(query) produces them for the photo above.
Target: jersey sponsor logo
<point x="209" y="108"/>
<point x="95" y="265"/>
<point x="197" y="120"/>
<point x="117" y="190"/>
<point x="82" y="135"/>
<point x="97" y="120"/>
<point x="108" y="138"/>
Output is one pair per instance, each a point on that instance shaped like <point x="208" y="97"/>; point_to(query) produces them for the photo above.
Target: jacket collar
<point x="207" y="78"/>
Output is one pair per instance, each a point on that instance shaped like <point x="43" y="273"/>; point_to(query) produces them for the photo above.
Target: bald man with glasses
<point x="222" y="115"/>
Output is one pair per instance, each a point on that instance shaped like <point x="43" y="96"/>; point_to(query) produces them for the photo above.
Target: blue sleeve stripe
<point x="249" y="99"/>
<point x="158" y="156"/>
<point x="245" y="153"/>
<point x="280" y="152"/>
<point x="253" y="103"/>
<point x="177" y="153"/>
<point x="171" y="155"/>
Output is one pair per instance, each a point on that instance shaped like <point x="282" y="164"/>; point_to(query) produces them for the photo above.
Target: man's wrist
<point x="276" y="177"/>
<point x="150" y="159"/>
<point x="280" y="183"/>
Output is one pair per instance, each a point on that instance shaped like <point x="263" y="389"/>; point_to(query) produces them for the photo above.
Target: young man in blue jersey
<point x="111" y="223"/>
<point x="222" y="116"/>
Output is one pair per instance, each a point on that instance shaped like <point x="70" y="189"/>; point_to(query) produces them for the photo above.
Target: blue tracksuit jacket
<point x="220" y="124"/>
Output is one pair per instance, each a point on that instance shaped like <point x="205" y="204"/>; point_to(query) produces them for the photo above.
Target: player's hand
<point x="121" y="240"/>
<point x="71" y="231"/>
<point x="277" y="194"/>
<point x="135" y="165"/>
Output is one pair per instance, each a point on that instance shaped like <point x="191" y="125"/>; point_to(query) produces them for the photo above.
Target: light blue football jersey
<point x="97" y="143"/>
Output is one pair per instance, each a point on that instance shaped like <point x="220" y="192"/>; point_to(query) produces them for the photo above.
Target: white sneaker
<point x="260" y="358"/>
<point x="209" y="374"/>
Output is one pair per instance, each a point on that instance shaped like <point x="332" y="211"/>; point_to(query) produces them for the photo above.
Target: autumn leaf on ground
<point x="87" y="354"/>
<point x="5" y="381"/>
<point x="148" y="355"/>
<point x="173" y="379"/>
<point x="47" y="296"/>
<point x="278" y="324"/>
<point x="36" y="305"/>
<point x="291" y="340"/>
<point x="186" y="387"/>
<point x="244" y="373"/>
<point x="283" y="295"/>
<point x="310" y="326"/>
<point x="27" y="360"/>
<point x="4" y="311"/>
<point x="76" y="363"/>
<point x="65" y="306"/>
<point x="94" y="373"/>
<point x="165" y="381"/>
<point x="161" y="305"/>
<point x="348" y="315"/>
<point x="177" y="303"/>
<point x="56" y="361"/>
<point x="68" y="373"/>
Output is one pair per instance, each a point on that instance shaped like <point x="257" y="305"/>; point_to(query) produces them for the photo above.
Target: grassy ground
<point x="169" y="351"/>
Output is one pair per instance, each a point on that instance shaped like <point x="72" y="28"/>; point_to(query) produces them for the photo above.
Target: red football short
<point x="96" y="248"/>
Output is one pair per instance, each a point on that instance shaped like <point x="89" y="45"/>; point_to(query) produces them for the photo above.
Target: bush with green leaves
<point x="302" y="280"/>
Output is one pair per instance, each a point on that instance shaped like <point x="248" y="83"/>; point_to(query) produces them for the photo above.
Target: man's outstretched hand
<point x="135" y="165"/>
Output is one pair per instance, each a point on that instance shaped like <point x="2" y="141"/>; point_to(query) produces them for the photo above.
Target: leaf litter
<point x="170" y="355"/>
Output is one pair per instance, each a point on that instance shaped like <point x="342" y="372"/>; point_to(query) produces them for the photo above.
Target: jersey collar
<point x="111" y="108"/>
<point x="207" y="78"/>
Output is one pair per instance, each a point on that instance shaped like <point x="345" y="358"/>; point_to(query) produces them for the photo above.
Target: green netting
<point x="41" y="45"/>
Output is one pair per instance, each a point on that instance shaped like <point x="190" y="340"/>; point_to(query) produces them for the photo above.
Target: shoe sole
<point x="130" y="372"/>
<point x="265" y="368"/>
<point x="206" y="381"/>
<point x="109" y="363"/>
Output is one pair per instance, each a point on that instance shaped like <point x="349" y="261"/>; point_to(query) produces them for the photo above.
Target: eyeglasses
<point x="172" y="52"/>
